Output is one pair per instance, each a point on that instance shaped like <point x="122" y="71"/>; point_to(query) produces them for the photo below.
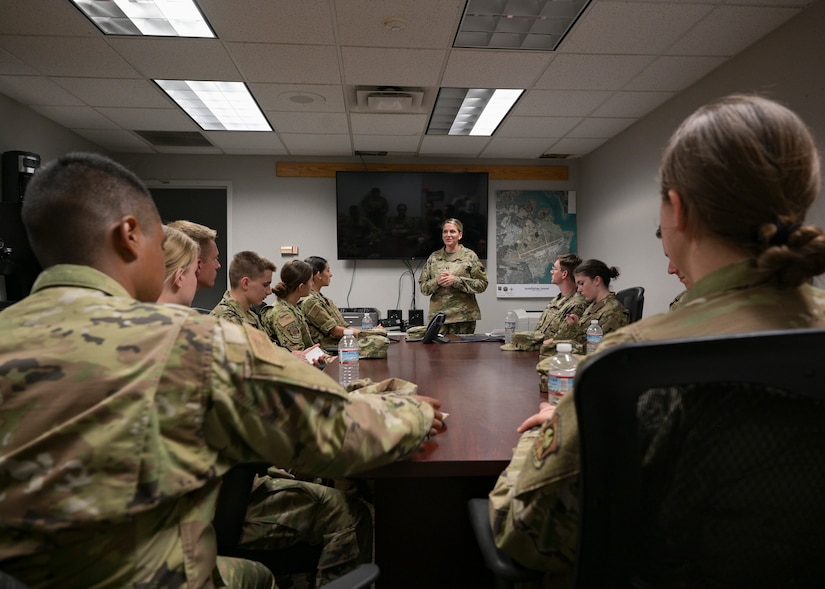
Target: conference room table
<point x="422" y="532"/>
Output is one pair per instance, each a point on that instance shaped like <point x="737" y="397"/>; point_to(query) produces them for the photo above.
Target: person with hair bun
<point x="284" y="322"/>
<point x="593" y="283"/>
<point x="737" y="179"/>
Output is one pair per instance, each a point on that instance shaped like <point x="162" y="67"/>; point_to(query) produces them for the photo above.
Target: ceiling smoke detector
<point x="389" y="99"/>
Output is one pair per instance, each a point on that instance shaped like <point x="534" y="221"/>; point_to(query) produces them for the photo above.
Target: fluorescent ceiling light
<point x="538" y="25"/>
<point x="473" y="111"/>
<point x="217" y="106"/>
<point x="159" y="18"/>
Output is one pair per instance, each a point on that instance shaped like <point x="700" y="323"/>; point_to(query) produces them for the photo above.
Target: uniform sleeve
<point x="477" y="280"/>
<point x="268" y="405"/>
<point x="534" y="507"/>
<point x="316" y="314"/>
<point x="428" y="277"/>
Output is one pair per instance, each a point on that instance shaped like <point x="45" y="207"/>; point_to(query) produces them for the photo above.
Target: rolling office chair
<point x="721" y="483"/>
<point x="633" y="299"/>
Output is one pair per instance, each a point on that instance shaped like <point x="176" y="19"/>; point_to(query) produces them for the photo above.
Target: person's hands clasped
<point x="546" y="411"/>
<point x="438" y="417"/>
<point x="572" y="319"/>
<point x="445" y="279"/>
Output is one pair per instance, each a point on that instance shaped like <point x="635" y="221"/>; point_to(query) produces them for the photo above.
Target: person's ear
<point x="127" y="236"/>
<point x="678" y="211"/>
<point x="245" y="283"/>
<point x="177" y="280"/>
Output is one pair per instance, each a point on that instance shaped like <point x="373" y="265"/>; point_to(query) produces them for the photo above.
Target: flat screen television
<point x="398" y="215"/>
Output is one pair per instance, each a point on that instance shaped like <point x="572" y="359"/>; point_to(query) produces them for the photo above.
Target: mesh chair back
<point x="633" y="299"/>
<point x="702" y="463"/>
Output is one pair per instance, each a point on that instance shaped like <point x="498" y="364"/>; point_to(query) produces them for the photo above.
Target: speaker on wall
<point x="18" y="168"/>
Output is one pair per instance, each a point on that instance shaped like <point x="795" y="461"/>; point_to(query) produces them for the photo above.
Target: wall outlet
<point x="416" y="317"/>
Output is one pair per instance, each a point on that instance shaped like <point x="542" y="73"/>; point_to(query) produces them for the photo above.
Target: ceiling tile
<point x="390" y="143"/>
<point x="301" y="98"/>
<point x="515" y="126"/>
<point x="392" y="67"/>
<point x="429" y="23"/>
<point x="297" y="122"/>
<point x="9" y="64"/>
<point x="107" y="92"/>
<point x="308" y="144"/>
<point x="178" y="59"/>
<point x="521" y="148"/>
<point x="271" y="21"/>
<point x="37" y="90"/>
<point x="150" y="119"/>
<point x="470" y="68"/>
<point x="575" y="146"/>
<point x="290" y="64"/>
<point x="70" y="56"/>
<point x="632" y="104"/>
<point x="592" y="72"/>
<point x="238" y="142"/>
<point x="562" y="103"/>
<point x="116" y="140"/>
<point x="388" y="124"/>
<point x="76" y="117"/>
<point x="458" y="146"/>
<point x="674" y="74"/>
<point x="34" y="18"/>
<point x="597" y="128"/>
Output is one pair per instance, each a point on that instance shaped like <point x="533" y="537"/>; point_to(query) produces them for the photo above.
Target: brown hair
<point x="747" y="170"/>
<point x="247" y="264"/>
<point x="593" y="268"/>
<point x="569" y="262"/>
<point x="458" y="224"/>
<point x="179" y="250"/>
<point x="293" y="274"/>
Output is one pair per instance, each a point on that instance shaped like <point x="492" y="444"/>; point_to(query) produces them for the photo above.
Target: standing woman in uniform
<point x="452" y="277"/>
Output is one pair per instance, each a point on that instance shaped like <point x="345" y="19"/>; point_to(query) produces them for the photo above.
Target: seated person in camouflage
<point x="128" y="412"/>
<point x="208" y="255"/>
<point x="593" y="282"/>
<point x="327" y="324"/>
<point x="567" y="302"/>
<point x="283" y="321"/>
<point x="250" y="280"/>
<point x="451" y="277"/>
<point x="737" y="180"/>
<point x="180" y="279"/>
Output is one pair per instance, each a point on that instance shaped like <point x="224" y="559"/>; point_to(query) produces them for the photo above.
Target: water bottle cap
<point x="348" y="332"/>
<point x="564" y="348"/>
<point x="592" y="321"/>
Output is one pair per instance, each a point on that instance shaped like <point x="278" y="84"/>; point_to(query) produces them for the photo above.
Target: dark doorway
<point x="206" y="206"/>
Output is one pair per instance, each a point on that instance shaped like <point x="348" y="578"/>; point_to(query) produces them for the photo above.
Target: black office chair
<point x="633" y="299"/>
<point x="507" y="571"/>
<point x="722" y="483"/>
<point x="230" y="512"/>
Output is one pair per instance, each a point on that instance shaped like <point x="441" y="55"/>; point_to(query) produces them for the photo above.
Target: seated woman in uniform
<point x="284" y="322"/>
<point x="593" y="283"/>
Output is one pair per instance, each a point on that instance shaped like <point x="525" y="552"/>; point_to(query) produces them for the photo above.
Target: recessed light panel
<point x="471" y="111"/>
<point x="517" y="24"/>
<point x="217" y="106"/>
<point x="159" y="18"/>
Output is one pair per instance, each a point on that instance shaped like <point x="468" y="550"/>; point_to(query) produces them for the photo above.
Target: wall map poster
<point x="533" y="227"/>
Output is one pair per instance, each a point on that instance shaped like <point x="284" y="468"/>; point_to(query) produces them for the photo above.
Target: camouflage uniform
<point x="458" y="301"/>
<point x="677" y="300"/>
<point x="286" y="326"/>
<point x="611" y="315"/>
<point x="534" y="506"/>
<point x="552" y="318"/>
<point x="322" y="316"/>
<point x="120" y="417"/>
<point x="231" y="310"/>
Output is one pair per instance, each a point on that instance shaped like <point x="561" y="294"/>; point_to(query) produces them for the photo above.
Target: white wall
<point x="619" y="192"/>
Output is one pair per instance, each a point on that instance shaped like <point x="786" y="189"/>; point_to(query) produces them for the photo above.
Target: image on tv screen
<point x="398" y="215"/>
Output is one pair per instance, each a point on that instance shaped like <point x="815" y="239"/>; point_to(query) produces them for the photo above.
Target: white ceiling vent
<point x="389" y="99"/>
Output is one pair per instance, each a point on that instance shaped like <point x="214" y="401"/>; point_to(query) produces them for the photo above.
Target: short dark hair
<point x="72" y="202"/>
<point x="248" y="264"/>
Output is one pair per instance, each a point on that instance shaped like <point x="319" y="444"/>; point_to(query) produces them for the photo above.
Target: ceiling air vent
<point x="175" y="138"/>
<point x="388" y="99"/>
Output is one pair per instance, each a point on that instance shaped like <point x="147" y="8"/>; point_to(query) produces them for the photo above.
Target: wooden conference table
<point x="422" y="532"/>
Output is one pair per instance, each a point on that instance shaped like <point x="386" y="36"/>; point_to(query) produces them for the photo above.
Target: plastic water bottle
<point x="509" y="327"/>
<point x="366" y="321"/>
<point x="561" y="372"/>
<point x="594" y="335"/>
<point x="348" y="357"/>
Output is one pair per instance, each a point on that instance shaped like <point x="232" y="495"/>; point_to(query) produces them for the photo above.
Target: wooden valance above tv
<point x="327" y="170"/>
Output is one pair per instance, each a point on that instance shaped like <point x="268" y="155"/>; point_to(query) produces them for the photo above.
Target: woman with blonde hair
<point x="180" y="256"/>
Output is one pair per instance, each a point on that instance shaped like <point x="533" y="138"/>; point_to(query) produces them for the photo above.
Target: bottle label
<point x="509" y="325"/>
<point x="559" y="386"/>
<point x="348" y="356"/>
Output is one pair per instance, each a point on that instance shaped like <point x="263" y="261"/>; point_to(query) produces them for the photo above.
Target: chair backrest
<point x="633" y="299"/>
<point x="702" y="463"/>
<point x="233" y="499"/>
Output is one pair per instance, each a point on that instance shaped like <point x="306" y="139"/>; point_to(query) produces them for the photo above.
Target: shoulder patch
<point x="548" y="440"/>
<point x="262" y="347"/>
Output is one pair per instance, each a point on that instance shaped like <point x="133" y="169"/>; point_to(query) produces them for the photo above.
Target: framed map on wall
<point x="533" y="228"/>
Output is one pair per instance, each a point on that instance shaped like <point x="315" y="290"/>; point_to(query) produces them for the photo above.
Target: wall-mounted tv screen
<point x="398" y="215"/>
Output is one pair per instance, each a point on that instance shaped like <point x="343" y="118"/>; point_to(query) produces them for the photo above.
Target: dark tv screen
<point x="398" y="215"/>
